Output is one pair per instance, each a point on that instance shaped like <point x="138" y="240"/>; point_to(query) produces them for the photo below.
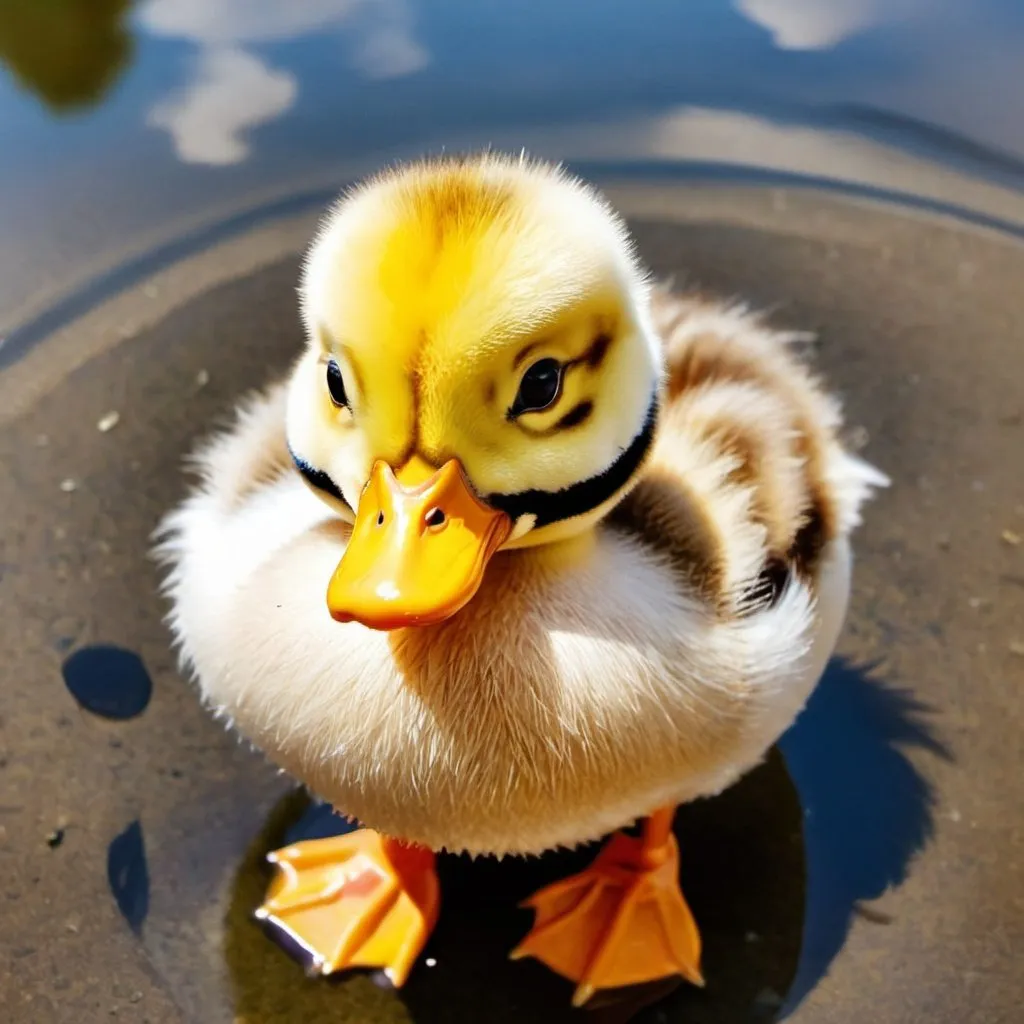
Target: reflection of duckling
<point x="598" y="559"/>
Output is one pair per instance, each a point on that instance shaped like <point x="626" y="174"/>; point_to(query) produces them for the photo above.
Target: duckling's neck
<point x="560" y="552"/>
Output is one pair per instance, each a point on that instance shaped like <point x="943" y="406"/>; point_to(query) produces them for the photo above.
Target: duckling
<point x="528" y="548"/>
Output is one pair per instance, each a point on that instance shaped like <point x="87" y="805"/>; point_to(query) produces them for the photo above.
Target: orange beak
<point x="418" y="550"/>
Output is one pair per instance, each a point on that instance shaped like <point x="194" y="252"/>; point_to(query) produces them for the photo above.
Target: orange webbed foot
<point x="357" y="900"/>
<point x="623" y="921"/>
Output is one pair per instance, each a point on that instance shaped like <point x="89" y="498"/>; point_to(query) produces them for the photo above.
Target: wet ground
<point x="875" y="864"/>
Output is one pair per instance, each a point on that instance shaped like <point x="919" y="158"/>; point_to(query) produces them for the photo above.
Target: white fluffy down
<point x="569" y="698"/>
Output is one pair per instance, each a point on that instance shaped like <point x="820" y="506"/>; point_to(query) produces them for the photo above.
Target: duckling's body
<point x="640" y="652"/>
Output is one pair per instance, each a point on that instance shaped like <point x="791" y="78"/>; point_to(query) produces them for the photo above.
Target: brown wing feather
<point x="737" y="492"/>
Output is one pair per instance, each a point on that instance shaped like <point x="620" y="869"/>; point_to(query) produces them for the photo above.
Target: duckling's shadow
<point x="774" y="870"/>
<point x="867" y="810"/>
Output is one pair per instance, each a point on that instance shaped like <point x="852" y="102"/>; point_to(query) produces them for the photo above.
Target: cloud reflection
<point x="232" y="89"/>
<point x="228" y="22"/>
<point x="387" y="47"/>
<point x="819" y="24"/>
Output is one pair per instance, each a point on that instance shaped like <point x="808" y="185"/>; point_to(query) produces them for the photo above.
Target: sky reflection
<point x="231" y="88"/>
<point x="182" y="110"/>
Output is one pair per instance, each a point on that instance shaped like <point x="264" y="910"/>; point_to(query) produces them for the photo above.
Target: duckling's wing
<point x="749" y="481"/>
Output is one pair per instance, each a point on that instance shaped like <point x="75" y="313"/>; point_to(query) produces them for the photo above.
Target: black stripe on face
<point x="318" y="479"/>
<point x="580" y="498"/>
<point x="575" y="416"/>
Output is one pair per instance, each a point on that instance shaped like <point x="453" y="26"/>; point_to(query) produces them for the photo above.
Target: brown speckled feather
<point x="738" y="395"/>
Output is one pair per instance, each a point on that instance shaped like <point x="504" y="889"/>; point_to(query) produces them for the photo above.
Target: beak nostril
<point x="435" y="517"/>
<point x="380" y="518"/>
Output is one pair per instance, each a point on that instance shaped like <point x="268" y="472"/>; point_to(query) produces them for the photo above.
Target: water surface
<point x="126" y="125"/>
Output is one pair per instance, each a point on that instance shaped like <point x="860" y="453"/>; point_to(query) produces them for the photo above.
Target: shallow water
<point x="852" y="166"/>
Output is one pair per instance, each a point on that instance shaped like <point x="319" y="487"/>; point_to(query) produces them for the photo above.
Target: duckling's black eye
<point x="336" y="384"/>
<point x="539" y="387"/>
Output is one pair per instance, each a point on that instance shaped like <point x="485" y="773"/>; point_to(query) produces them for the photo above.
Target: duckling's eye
<point x="539" y="388"/>
<point x="336" y="384"/>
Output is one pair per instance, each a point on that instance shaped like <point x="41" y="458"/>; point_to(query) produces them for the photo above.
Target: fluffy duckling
<point x="527" y="548"/>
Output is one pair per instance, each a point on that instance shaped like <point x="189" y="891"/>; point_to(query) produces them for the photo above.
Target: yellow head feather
<point x="434" y="288"/>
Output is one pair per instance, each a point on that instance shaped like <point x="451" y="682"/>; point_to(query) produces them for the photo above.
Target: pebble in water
<point x="108" y="422"/>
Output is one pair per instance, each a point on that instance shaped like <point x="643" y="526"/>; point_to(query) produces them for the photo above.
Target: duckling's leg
<point x="622" y="921"/>
<point x="358" y="900"/>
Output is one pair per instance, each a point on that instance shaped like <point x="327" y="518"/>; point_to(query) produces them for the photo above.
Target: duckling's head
<point x="481" y="373"/>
